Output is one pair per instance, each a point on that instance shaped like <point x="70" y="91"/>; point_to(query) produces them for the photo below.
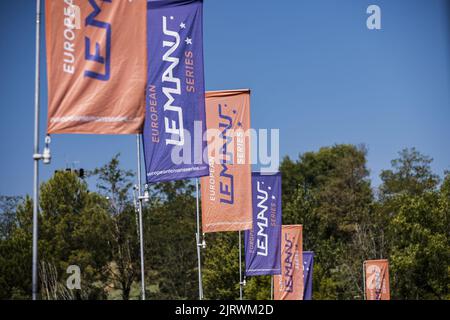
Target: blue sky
<point x="316" y="73"/>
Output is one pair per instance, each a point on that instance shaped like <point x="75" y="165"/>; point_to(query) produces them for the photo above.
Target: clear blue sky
<point x="316" y="73"/>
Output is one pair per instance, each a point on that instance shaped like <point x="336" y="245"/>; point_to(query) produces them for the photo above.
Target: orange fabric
<point x="377" y="279"/>
<point x="289" y="284"/>
<point x="227" y="191"/>
<point x="92" y="89"/>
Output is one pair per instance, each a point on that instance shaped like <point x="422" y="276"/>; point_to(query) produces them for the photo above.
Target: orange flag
<point x="227" y="191"/>
<point x="289" y="284"/>
<point x="377" y="279"/>
<point x="96" y="66"/>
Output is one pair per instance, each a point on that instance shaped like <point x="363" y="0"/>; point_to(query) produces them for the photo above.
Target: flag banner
<point x="226" y="192"/>
<point x="174" y="128"/>
<point x="377" y="279"/>
<point x="289" y="284"/>
<point x="96" y="66"/>
<point x="263" y="241"/>
<point x="308" y="264"/>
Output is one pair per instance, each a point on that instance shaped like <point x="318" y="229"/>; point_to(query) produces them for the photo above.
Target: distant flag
<point x="96" y="66"/>
<point x="377" y="279"/>
<point x="289" y="284"/>
<point x="263" y="241"/>
<point x="308" y="264"/>
<point x="226" y="192"/>
<point x="175" y="94"/>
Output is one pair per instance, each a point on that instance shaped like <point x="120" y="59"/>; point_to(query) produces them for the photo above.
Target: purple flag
<point x="175" y="93"/>
<point x="308" y="264"/>
<point x="263" y="241"/>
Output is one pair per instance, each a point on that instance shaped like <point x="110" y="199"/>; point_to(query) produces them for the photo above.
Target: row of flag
<point x="136" y="67"/>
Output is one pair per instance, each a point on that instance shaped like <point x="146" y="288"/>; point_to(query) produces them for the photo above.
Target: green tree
<point x="74" y="228"/>
<point x="72" y="231"/>
<point x="258" y="288"/>
<point x="411" y="173"/>
<point x="420" y="246"/>
<point x="8" y="218"/>
<point x="171" y="252"/>
<point x="221" y="266"/>
<point x="15" y="253"/>
<point x="416" y="214"/>
<point x="445" y="187"/>
<point x="115" y="186"/>
<point x="329" y="193"/>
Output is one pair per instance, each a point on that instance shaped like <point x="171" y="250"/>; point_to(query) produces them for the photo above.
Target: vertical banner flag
<point x="175" y="114"/>
<point x="226" y="192"/>
<point x="175" y="93"/>
<point x="308" y="264"/>
<point x="289" y="284"/>
<point x="377" y="279"/>
<point x="263" y="241"/>
<point x="96" y="66"/>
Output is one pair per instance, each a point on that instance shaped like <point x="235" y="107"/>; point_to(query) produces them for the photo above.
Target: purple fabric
<point x="263" y="242"/>
<point x="175" y="95"/>
<point x="308" y="264"/>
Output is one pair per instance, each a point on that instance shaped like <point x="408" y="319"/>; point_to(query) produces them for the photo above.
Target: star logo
<point x="182" y="25"/>
<point x="188" y="40"/>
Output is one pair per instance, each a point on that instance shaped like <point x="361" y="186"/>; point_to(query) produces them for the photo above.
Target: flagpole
<point x="271" y="287"/>
<point x="240" y="267"/>
<point x="364" y="279"/>
<point x="141" y="231"/>
<point x="197" y="236"/>
<point x="36" y="156"/>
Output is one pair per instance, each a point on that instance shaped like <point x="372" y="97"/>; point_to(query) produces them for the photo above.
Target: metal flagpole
<point x="141" y="231"/>
<point x="199" y="245"/>
<point x="136" y="208"/>
<point x="36" y="157"/>
<point x="271" y="287"/>
<point x="240" y="267"/>
<point x="364" y="279"/>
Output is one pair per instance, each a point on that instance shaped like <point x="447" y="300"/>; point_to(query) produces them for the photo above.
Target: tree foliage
<point x="346" y="221"/>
